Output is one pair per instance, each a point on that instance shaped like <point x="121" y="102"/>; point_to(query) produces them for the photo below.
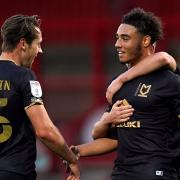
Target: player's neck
<point x="8" y="56"/>
<point x="145" y="53"/>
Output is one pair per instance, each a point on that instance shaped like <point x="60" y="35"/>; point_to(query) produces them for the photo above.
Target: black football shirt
<point x="149" y="132"/>
<point x="18" y="90"/>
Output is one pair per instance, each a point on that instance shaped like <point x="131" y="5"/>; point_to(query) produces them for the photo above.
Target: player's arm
<point x="50" y="135"/>
<point x="101" y="127"/>
<point x="96" y="147"/>
<point x="147" y="65"/>
<point x="119" y="113"/>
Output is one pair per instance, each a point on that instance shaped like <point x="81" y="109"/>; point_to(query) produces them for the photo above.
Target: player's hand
<point x="120" y="112"/>
<point x="74" y="172"/>
<point x="76" y="152"/>
<point x="112" y="89"/>
<point x="71" y="177"/>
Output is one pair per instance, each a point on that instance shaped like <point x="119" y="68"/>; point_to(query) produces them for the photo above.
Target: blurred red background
<point x="79" y="60"/>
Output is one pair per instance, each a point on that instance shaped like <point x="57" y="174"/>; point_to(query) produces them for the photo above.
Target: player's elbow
<point x="93" y="134"/>
<point x="167" y="60"/>
<point x="41" y="134"/>
<point x="44" y="133"/>
<point x="97" y="135"/>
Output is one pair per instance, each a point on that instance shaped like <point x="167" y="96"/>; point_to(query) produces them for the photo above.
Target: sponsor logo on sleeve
<point x="36" y="89"/>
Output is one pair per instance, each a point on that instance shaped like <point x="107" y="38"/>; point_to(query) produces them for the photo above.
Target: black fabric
<point x="177" y="70"/>
<point x="5" y="175"/>
<point x="177" y="137"/>
<point x="18" y="149"/>
<point x="151" y="130"/>
<point x="154" y="170"/>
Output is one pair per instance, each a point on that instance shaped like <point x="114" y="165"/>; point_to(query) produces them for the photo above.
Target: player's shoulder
<point x="177" y="71"/>
<point x="21" y="74"/>
<point x="23" y="71"/>
<point x="166" y="72"/>
<point x="166" y="77"/>
<point x="171" y="78"/>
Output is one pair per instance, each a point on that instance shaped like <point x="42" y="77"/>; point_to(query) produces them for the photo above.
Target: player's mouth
<point x="121" y="53"/>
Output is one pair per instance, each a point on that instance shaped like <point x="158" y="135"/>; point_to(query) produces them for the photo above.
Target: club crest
<point x="144" y="90"/>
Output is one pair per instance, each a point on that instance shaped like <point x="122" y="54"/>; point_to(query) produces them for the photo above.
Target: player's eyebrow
<point x="122" y="35"/>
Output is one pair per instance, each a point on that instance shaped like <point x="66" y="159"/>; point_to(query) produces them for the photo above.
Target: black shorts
<point x="6" y="175"/>
<point x="146" y="171"/>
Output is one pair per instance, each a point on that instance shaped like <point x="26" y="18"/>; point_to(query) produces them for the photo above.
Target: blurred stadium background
<point x="79" y="60"/>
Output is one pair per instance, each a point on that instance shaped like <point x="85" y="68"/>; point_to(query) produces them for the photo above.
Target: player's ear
<point x="146" y="41"/>
<point x="22" y="44"/>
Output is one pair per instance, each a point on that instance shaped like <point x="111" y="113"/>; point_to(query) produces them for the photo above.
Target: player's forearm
<point x="55" y="142"/>
<point x="46" y="131"/>
<point x="158" y="60"/>
<point x="98" y="147"/>
<point x="148" y="65"/>
<point x="101" y="127"/>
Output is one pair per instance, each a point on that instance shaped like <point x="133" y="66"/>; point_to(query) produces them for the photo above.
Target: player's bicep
<point x="39" y="118"/>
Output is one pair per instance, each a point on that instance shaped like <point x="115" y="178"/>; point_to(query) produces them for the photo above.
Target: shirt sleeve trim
<point x="32" y="104"/>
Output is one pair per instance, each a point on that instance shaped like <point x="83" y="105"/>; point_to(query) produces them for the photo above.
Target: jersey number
<point x="5" y="123"/>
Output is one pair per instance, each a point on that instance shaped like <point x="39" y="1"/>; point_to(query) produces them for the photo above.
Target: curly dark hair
<point x="17" y="27"/>
<point x="145" y="22"/>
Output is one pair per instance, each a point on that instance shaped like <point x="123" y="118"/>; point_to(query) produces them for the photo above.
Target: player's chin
<point x="123" y="60"/>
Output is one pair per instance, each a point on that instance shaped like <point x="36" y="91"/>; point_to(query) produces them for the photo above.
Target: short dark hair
<point x="145" y="22"/>
<point x="17" y="27"/>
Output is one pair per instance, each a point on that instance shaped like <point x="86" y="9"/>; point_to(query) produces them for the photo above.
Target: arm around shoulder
<point x="148" y="65"/>
<point x="166" y="59"/>
<point x="145" y="66"/>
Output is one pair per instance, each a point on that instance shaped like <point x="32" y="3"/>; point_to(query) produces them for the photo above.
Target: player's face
<point x="32" y="50"/>
<point x="128" y="44"/>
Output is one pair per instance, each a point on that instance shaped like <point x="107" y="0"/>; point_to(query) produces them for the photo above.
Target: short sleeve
<point x="30" y="89"/>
